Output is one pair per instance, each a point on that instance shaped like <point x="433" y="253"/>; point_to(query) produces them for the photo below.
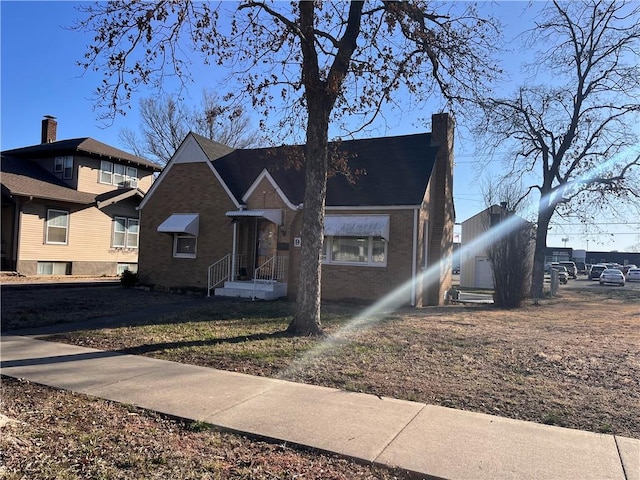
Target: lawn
<point x="571" y="361"/>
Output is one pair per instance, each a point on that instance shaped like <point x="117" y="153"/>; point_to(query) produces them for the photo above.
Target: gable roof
<point x="211" y="148"/>
<point x="24" y="178"/>
<point x="390" y="171"/>
<point x="87" y="146"/>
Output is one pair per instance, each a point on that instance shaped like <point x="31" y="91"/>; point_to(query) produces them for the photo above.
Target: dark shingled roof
<point x="87" y="146"/>
<point x="389" y="171"/>
<point x="212" y="149"/>
<point x="24" y="178"/>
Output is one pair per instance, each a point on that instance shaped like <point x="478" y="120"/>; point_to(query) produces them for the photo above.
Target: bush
<point x="128" y="279"/>
<point x="510" y="257"/>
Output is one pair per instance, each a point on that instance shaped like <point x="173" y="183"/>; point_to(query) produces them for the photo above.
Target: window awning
<point x="272" y="215"/>
<point x="181" y="223"/>
<point x="357" y="226"/>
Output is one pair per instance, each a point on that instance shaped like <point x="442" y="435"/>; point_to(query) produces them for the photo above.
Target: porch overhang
<point x="115" y="196"/>
<point x="357" y="226"/>
<point x="273" y="215"/>
<point x="181" y="223"/>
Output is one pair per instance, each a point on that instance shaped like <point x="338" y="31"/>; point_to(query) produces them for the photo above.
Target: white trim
<point x="123" y="232"/>
<point x="265" y="174"/>
<point x="126" y="232"/>
<point x="374" y="207"/>
<point x="67" y="216"/>
<point x="175" y="246"/>
<point x="188" y="146"/>
<point x="328" y="253"/>
<point x="414" y="258"/>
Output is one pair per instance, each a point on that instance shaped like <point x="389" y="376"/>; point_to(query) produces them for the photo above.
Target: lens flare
<point x="431" y="276"/>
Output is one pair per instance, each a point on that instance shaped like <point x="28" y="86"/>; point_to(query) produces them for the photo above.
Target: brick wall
<point x="186" y="188"/>
<point x="360" y="283"/>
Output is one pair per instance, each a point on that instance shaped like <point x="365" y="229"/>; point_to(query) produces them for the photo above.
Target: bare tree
<point x="575" y="135"/>
<point x="166" y="120"/>
<point x="306" y="63"/>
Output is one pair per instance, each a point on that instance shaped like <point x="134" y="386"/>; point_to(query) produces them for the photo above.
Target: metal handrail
<point x="274" y="269"/>
<point x="220" y="271"/>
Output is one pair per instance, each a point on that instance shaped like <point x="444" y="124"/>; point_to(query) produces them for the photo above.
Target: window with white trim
<point x="364" y="251"/>
<point x="117" y="174"/>
<point x="132" y="177"/>
<point x="64" y="165"/>
<point x="53" y="268"/>
<point x="57" y="227"/>
<point x="125" y="232"/>
<point x="184" y="245"/>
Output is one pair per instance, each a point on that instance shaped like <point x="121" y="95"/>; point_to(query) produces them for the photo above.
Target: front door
<point x="267" y="244"/>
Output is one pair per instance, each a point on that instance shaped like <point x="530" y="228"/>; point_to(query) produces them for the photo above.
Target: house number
<point x="297" y="242"/>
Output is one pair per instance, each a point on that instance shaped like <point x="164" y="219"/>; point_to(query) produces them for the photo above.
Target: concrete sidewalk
<point x="431" y="441"/>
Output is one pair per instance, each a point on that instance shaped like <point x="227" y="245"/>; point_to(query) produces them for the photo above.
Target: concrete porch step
<point x="263" y="290"/>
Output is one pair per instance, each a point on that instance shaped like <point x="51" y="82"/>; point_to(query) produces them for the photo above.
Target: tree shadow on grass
<point x="155" y="347"/>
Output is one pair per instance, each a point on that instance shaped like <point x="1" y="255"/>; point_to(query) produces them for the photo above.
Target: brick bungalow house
<point x="229" y="220"/>
<point x="69" y="207"/>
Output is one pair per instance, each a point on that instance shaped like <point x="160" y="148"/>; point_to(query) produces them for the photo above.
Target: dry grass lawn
<point x="571" y="361"/>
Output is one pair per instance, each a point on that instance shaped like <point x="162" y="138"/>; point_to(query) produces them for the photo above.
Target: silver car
<point x="612" y="275"/>
<point x="633" y="275"/>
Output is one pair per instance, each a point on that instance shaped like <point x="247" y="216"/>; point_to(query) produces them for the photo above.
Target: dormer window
<point x="117" y="174"/>
<point x="64" y="165"/>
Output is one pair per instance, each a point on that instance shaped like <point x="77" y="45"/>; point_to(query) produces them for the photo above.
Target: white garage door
<point x="484" y="275"/>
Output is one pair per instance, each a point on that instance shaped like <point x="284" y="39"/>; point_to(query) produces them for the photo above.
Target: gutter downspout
<point x="414" y="258"/>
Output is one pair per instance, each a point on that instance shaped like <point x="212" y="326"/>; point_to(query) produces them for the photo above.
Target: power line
<point x="595" y="223"/>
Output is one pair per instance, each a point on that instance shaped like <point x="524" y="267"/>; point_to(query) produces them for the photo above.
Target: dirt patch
<point x="56" y="434"/>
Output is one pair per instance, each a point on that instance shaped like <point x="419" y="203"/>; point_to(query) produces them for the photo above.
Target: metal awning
<point x="272" y="215"/>
<point x="357" y="226"/>
<point x="181" y="223"/>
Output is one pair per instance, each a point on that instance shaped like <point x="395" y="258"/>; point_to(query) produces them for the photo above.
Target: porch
<point x="255" y="290"/>
<point x="228" y="278"/>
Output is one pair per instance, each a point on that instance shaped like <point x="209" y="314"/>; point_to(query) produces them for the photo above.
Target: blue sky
<point x="39" y="77"/>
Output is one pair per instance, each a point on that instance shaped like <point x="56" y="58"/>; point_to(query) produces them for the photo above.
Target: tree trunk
<point x="537" y="277"/>
<point x="307" y="317"/>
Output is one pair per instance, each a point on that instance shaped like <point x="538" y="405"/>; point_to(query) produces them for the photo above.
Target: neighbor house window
<point x="132" y="177"/>
<point x="106" y="172"/>
<point x="126" y="232"/>
<point x="371" y="251"/>
<point x="57" y="227"/>
<point x="116" y="174"/>
<point x="64" y="165"/>
<point x="122" y="267"/>
<point x="53" y="268"/>
<point x="184" y="245"/>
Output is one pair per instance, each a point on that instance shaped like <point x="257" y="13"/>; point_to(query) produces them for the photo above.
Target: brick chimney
<point x="443" y="212"/>
<point x="49" y="129"/>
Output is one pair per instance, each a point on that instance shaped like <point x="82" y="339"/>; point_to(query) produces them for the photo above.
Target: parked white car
<point x="633" y="275"/>
<point x="612" y="275"/>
